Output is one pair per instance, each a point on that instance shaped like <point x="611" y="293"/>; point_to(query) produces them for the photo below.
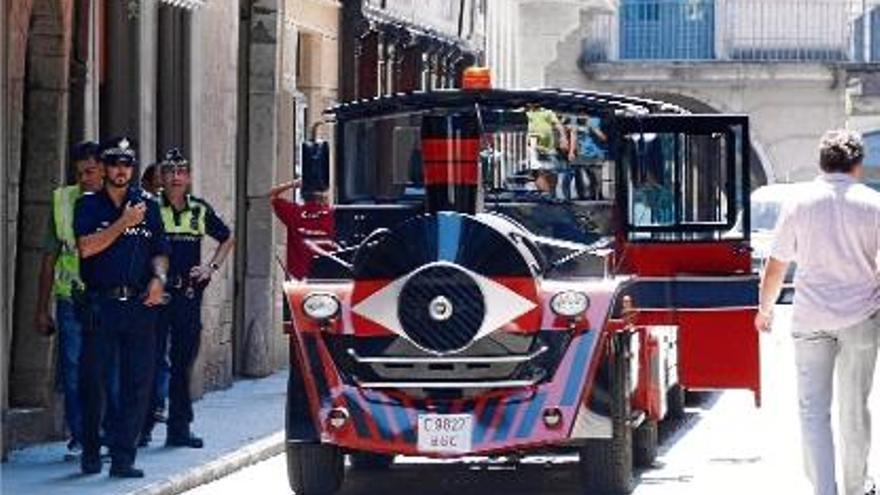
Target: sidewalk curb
<point x="252" y="453"/>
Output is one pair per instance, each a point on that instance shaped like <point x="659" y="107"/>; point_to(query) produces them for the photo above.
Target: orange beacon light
<point x="476" y="78"/>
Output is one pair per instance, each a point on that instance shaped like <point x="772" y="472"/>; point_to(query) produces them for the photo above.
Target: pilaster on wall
<point x="36" y="41"/>
<point x="259" y="343"/>
<point x="543" y="24"/>
<point x="39" y="74"/>
<point x="147" y="29"/>
<point x="863" y="100"/>
<point x="5" y="309"/>
<point x="214" y="108"/>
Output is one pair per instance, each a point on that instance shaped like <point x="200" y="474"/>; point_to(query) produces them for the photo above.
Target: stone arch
<point x="39" y="81"/>
<point x="761" y="166"/>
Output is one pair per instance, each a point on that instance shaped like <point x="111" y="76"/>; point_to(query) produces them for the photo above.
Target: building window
<point x="667" y="29"/>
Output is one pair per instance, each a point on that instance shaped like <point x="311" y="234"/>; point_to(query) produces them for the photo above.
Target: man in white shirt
<point x="831" y="228"/>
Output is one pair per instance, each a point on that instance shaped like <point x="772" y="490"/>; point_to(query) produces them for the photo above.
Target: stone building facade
<point x="169" y="76"/>
<point x="288" y="73"/>
<point x="37" y="55"/>
<point x="794" y="80"/>
<point x="237" y="85"/>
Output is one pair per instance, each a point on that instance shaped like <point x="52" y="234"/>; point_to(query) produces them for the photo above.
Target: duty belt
<point x="122" y="292"/>
<point x="184" y="284"/>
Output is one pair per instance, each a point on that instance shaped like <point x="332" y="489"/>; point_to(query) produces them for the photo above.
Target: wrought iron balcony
<point x="735" y="30"/>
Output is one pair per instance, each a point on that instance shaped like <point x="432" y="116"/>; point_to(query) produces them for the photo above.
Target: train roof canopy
<point x="560" y="100"/>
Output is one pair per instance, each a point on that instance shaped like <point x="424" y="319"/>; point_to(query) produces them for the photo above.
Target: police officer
<point x="123" y="263"/>
<point x="59" y="276"/>
<point x="187" y="219"/>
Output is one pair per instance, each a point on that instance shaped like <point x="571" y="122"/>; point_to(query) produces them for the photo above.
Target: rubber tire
<point x="675" y="401"/>
<point x="606" y="464"/>
<point x="645" y="443"/>
<point x="365" y="461"/>
<point x="315" y="468"/>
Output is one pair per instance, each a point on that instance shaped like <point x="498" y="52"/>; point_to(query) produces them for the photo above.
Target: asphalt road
<point x="725" y="445"/>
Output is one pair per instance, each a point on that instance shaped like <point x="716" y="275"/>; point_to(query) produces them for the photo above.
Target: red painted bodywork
<point x="647" y="394"/>
<point x="717" y="348"/>
<point x="514" y="411"/>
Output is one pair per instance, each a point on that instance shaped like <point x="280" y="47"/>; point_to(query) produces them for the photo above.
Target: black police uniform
<point x="181" y="318"/>
<point x="119" y="325"/>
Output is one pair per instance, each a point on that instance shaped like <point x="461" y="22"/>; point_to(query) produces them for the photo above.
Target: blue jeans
<point x="70" y="347"/>
<point x="159" y="393"/>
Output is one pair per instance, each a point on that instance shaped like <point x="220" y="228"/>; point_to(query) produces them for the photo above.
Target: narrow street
<point x="724" y="446"/>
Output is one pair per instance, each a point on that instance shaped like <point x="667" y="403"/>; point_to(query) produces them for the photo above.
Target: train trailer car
<point x="487" y="297"/>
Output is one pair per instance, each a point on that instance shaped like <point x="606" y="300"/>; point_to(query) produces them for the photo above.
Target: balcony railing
<point x="735" y="30"/>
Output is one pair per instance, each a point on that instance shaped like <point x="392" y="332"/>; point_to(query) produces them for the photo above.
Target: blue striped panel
<point x="357" y="415"/>
<point x="578" y="368"/>
<point x="693" y="294"/>
<point x="506" y="423"/>
<point x="531" y="416"/>
<point x="403" y="423"/>
<point x="317" y="369"/>
<point x="381" y="419"/>
<point x="448" y="235"/>
<point x="485" y="420"/>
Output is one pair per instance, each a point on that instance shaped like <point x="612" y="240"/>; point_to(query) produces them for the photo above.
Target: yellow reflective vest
<point x="67" y="261"/>
<point x="191" y="221"/>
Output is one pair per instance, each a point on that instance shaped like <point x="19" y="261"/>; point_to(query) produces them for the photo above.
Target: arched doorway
<point x="39" y="79"/>
<point x="760" y="169"/>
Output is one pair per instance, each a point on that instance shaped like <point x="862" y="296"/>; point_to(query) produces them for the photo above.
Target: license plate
<point x="447" y="433"/>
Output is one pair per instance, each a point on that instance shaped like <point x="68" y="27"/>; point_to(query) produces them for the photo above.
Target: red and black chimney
<point x="450" y="151"/>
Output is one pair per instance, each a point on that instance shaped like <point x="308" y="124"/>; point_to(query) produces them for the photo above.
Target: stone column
<point x="259" y="319"/>
<point x="213" y="69"/>
<point x="147" y="29"/>
<point x="92" y="103"/>
<point x="5" y="310"/>
<point x="120" y="114"/>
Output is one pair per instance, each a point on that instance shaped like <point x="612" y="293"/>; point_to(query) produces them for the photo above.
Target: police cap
<point x="174" y="159"/>
<point x="83" y="151"/>
<point x="118" y="149"/>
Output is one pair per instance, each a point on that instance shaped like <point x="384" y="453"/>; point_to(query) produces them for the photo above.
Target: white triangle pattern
<point x="502" y="304"/>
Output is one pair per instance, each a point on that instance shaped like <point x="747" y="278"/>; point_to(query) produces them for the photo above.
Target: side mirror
<point x="315" y="166"/>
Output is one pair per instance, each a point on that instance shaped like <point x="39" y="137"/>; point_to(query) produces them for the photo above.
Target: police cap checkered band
<point x="174" y="159"/>
<point x="118" y="150"/>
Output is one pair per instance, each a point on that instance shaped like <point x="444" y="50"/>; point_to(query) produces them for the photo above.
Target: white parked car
<point x="766" y="205"/>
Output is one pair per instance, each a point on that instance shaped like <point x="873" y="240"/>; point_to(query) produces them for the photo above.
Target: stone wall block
<point x="48" y="72"/>
<point x="256" y="337"/>
<point x="263" y="76"/>
<point x="260" y="248"/>
<point x="263" y="138"/>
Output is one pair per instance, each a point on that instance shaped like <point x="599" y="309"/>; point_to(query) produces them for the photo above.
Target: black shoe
<point x="74" y="450"/>
<point x="159" y="415"/>
<point x="90" y="465"/>
<point x="126" y="472"/>
<point x="145" y="439"/>
<point x="190" y="441"/>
